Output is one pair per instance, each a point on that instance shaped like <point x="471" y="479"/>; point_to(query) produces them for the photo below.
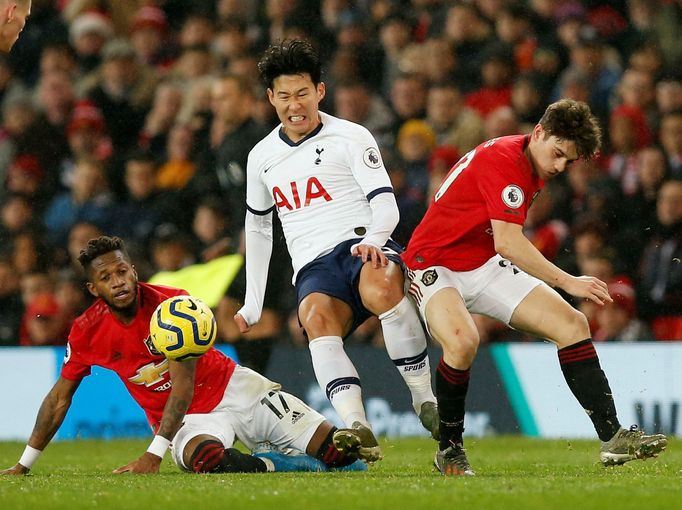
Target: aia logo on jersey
<point x="371" y="157"/>
<point x="313" y="190"/>
<point x="512" y="196"/>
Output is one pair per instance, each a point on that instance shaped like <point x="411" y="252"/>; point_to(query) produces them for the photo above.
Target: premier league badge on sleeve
<point x="512" y="196"/>
<point x="371" y="157"/>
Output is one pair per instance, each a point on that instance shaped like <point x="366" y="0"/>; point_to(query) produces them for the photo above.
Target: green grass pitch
<point x="512" y="473"/>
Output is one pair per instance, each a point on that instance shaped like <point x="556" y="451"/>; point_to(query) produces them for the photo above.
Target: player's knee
<point x="575" y="329"/>
<point x="317" y="323"/>
<point x="382" y="297"/>
<point x="460" y="344"/>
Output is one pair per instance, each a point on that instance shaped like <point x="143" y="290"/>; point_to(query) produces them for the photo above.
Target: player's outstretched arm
<point x="50" y="417"/>
<point x="258" y="237"/>
<point x="514" y="246"/>
<point x="179" y="400"/>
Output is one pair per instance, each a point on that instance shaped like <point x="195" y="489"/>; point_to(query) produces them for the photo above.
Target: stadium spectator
<point x="149" y="37"/>
<point x="414" y="145"/>
<point x="408" y="99"/>
<point x="456" y="268"/>
<point x="502" y="121"/>
<point x="177" y="166"/>
<point x="671" y="140"/>
<point x="210" y="228"/>
<point x="171" y="248"/>
<point x="454" y="123"/>
<point x="11" y="305"/>
<point x="355" y="101"/>
<point x="222" y="160"/>
<point x="200" y="394"/>
<point x="143" y="207"/>
<point x="45" y="322"/>
<point x="497" y="75"/>
<point x="123" y="89"/>
<point x="628" y="132"/>
<point x="617" y="321"/>
<point x="88" y="34"/>
<point x="168" y="99"/>
<point x="660" y="275"/>
<point x="89" y="199"/>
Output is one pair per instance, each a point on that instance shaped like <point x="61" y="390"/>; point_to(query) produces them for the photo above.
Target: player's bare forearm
<point x="180" y="398"/>
<point x="52" y="412"/>
<point x="511" y="244"/>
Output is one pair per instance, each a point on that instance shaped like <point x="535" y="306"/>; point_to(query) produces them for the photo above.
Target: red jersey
<point x="494" y="181"/>
<point x="99" y="338"/>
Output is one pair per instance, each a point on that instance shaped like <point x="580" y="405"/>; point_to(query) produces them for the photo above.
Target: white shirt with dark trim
<point x="320" y="187"/>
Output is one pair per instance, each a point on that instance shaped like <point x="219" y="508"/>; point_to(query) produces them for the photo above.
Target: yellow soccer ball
<point x="182" y="327"/>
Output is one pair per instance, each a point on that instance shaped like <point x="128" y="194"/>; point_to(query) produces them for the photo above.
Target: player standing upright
<point x="469" y="254"/>
<point x="326" y="179"/>
<point x="13" y="14"/>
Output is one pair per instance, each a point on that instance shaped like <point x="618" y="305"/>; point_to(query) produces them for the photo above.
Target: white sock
<point x="406" y="345"/>
<point x="337" y="376"/>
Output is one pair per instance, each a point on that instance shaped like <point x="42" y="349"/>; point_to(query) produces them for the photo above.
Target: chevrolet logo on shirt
<point x="150" y="374"/>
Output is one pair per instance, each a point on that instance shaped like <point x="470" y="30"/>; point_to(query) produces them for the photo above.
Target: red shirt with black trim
<point x="494" y="181"/>
<point x="97" y="337"/>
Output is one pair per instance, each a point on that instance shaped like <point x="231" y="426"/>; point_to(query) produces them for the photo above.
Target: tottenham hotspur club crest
<point x="512" y="196"/>
<point x="319" y="151"/>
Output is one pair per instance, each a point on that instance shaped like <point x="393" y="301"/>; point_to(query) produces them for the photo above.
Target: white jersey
<point x="320" y="186"/>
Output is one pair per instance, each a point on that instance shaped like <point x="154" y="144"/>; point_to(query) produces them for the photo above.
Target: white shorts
<point x="253" y="410"/>
<point x="495" y="289"/>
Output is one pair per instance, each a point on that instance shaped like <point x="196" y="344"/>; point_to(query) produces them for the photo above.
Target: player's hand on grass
<point x="588" y="287"/>
<point x="241" y="323"/>
<point x="17" y="469"/>
<point x="368" y="252"/>
<point x="147" y="463"/>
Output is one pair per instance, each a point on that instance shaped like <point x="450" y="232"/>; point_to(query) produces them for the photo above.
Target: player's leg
<point x="287" y="424"/>
<point x="382" y="293"/>
<point x="544" y="313"/>
<point x="204" y="445"/>
<point x="451" y="325"/>
<point x="326" y="320"/>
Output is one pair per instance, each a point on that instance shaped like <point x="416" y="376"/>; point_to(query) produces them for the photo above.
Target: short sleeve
<point x="503" y="186"/>
<point x="74" y="366"/>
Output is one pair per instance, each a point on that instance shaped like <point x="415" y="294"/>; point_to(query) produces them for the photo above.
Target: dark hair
<point x="572" y="120"/>
<point x="100" y="246"/>
<point x="291" y="56"/>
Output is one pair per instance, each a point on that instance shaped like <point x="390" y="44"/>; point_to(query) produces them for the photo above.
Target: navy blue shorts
<point x="337" y="274"/>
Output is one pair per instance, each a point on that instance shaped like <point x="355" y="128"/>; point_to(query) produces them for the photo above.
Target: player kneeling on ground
<point x="199" y="406"/>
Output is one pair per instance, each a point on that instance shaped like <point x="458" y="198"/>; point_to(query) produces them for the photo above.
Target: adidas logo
<point x="295" y="416"/>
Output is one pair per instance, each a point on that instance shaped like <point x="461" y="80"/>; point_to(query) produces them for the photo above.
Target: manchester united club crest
<point x="150" y="346"/>
<point x="371" y="157"/>
<point x="512" y="196"/>
<point x="429" y="277"/>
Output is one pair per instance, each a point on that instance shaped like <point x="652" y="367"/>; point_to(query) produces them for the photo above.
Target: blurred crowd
<point x="135" y="118"/>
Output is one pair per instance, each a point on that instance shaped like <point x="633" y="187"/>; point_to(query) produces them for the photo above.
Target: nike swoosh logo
<point x="267" y="170"/>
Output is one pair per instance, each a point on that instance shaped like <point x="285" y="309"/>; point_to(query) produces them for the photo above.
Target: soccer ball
<point x="182" y="327"/>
